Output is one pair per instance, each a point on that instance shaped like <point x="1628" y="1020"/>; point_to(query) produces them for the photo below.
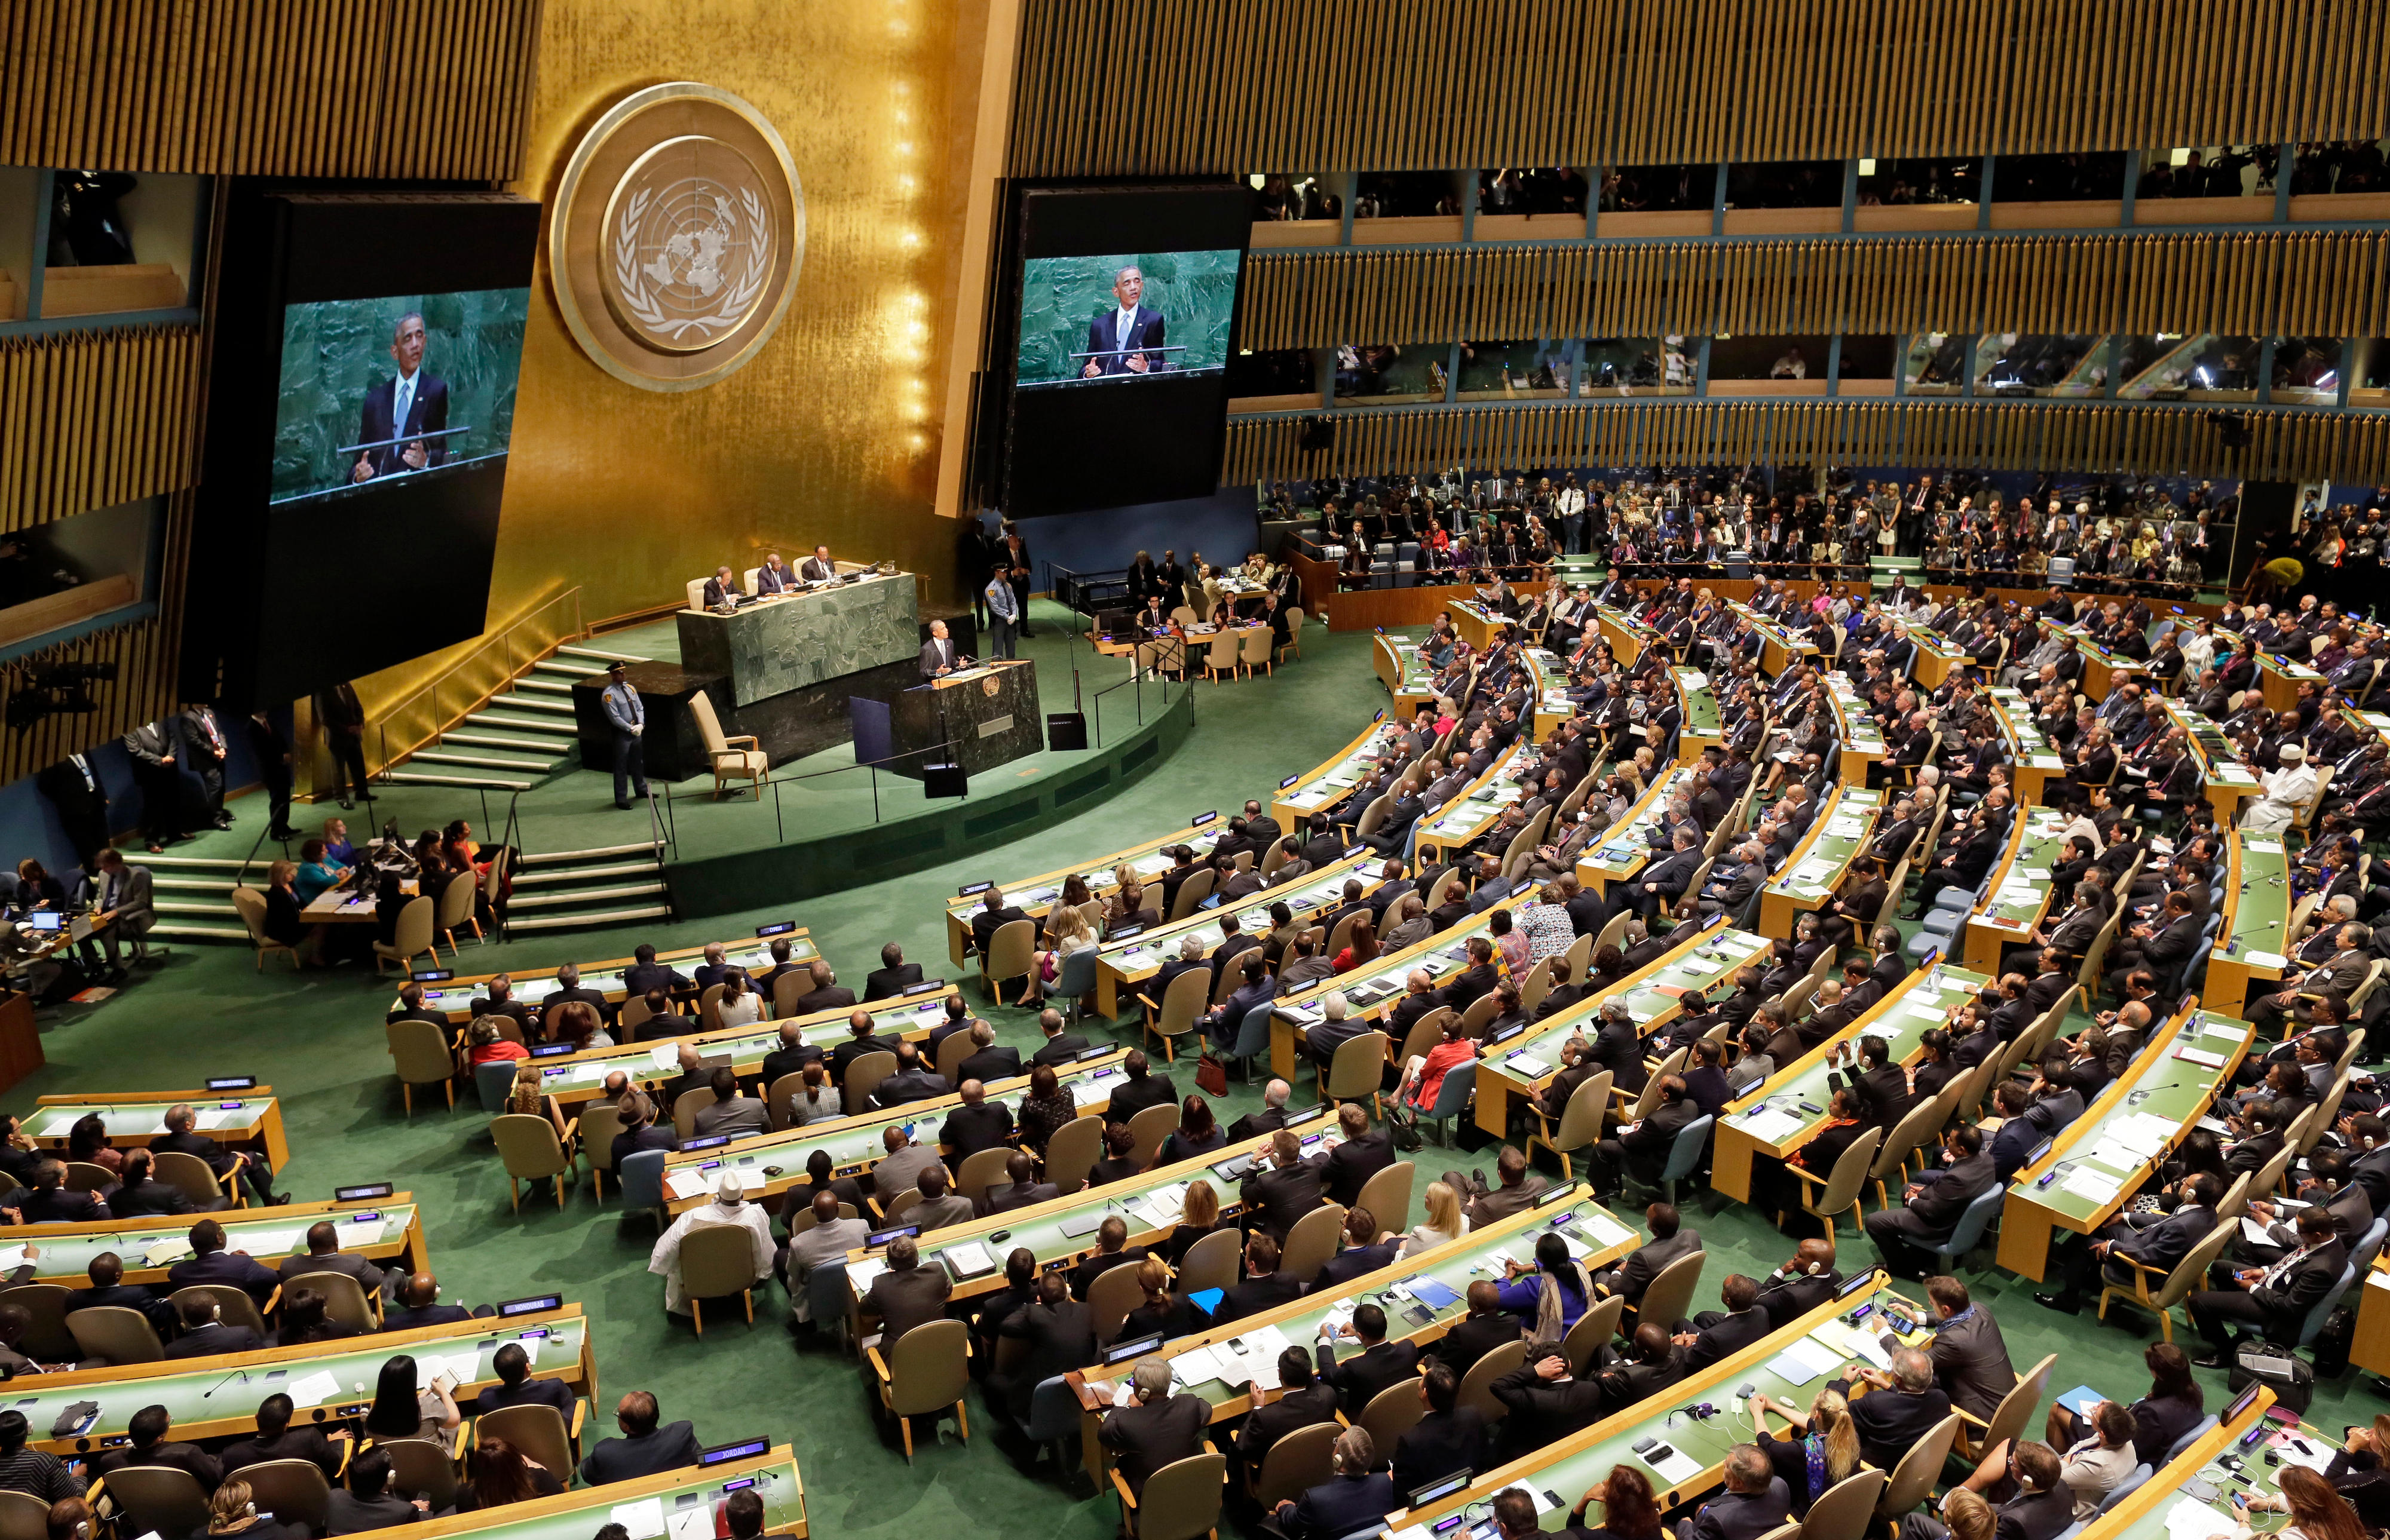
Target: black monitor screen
<point x="1125" y="311"/>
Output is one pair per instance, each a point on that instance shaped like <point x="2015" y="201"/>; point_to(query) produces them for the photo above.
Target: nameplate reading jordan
<point x="722" y="1454"/>
<point x="1201" y="818"/>
<point x="530" y="1305"/>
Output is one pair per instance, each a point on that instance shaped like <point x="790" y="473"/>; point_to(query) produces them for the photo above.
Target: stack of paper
<point x="694" y="1522"/>
<point x="2086" y="1183"/>
<point x="1770" y="1125"/>
<point x="223" y="1117"/>
<point x="1087" y="1093"/>
<point x="318" y="1389"/>
<point x="969" y="1258"/>
<point x="664" y="1056"/>
<point x="643" y="1519"/>
<point x="1195" y="1366"/>
<point x="1609" y="1231"/>
<point x="354" y="1233"/>
<point x="689" y="1182"/>
<point x="861" y="1276"/>
<point x="2200" y="1057"/>
<point x="1805" y="1361"/>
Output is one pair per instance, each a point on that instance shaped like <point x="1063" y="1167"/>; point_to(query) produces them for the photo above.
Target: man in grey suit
<point x="2338" y="976"/>
<point x="123" y="889"/>
<point x="829" y="1240"/>
<point x="1669" y="1240"/>
<point x="902" y="1166"/>
<point x="324" y="1255"/>
<point x="907" y="1294"/>
<point x="1970" y="1363"/>
<point x="1518" y="1191"/>
<point x="938" y="1208"/>
<point x="939" y="655"/>
<point x="729" y="1112"/>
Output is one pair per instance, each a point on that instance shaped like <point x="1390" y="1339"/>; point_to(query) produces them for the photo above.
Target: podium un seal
<point x="676" y="237"/>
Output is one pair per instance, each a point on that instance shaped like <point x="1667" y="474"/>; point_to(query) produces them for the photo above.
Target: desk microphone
<point x="242" y="1374"/>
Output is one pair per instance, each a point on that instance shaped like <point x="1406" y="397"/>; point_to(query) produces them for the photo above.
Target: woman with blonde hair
<point x="1162" y="1311"/>
<point x="1822" y="1449"/>
<point x="1444" y="1222"/>
<point x="233" y="1510"/>
<point x="1069" y="933"/>
<point x="1199" y="1215"/>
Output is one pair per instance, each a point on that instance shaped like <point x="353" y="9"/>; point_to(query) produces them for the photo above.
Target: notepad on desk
<point x="1804" y="1360"/>
<point x="2200" y="1057"/>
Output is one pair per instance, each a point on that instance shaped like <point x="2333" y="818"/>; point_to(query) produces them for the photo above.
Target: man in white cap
<point x="729" y="1207"/>
<point x="2288" y="792"/>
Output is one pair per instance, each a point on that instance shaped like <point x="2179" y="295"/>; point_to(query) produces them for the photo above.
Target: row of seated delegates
<point x="88" y="1142"/>
<point x="113" y="886"/>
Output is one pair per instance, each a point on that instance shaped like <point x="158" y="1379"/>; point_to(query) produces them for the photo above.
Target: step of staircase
<point x="179" y="885"/>
<point x="184" y="931"/>
<point x="537" y="681"/>
<point x="578" y="668"/>
<point x="197" y="907"/>
<point x="546" y="875"/>
<point x="493" y="783"/>
<point x="582" y="896"/>
<point x="482" y="758"/>
<point x="549" y="704"/>
<point x="551" y="857"/>
<point x="566" y="922"/>
<point x="601" y="654"/>
<point x="500" y="740"/>
<point x="485" y="718"/>
<point x="210" y="863"/>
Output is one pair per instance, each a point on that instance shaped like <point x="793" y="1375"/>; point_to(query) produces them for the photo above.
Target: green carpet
<point x="317" y="1038"/>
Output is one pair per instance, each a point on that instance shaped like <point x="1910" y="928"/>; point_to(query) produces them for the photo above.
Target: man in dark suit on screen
<point x="1118" y="329"/>
<point x="409" y="402"/>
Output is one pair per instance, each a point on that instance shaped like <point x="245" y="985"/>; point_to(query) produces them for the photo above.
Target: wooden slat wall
<point x="144" y="654"/>
<point x="91" y="420"/>
<point x="2332" y="283"/>
<point x="1977" y="435"/>
<point x="1143" y="86"/>
<point x="385" y="88"/>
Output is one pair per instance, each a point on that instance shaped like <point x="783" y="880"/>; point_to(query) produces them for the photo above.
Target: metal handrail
<point x="516" y="666"/>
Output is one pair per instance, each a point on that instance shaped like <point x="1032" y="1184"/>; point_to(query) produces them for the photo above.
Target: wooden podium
<point x="987" y="715"/>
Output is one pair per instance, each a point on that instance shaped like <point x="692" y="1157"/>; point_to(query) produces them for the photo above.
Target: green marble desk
<point x="792" y="640"/>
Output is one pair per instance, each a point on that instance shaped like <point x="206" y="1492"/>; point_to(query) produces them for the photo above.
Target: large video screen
<point x="1125" y="312"/>
<point x="358" y="433"/>
<point x="378" y="389"/>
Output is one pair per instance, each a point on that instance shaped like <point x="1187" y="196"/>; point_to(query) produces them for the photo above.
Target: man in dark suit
<point x="1756" y="1501"/>
<point x="409" y="403"/>
<point x="1284" y="1189"/>
<point x="1302" y="1401"/>
<point x="1906" y="1236"/>
<point x="1450" y="1438"/>
<point x="147" y="1431"/>
<point x="212" y="1264"/>
<point x="568" y="987"/>
<point x="907" y="1294"/>
<point x="913" y="1080"/>
<point x="1060" y="1332"/>
<point x="893" y="976"/>
<point x="1156" y="1428"/>
<point x="644" y="1449"/>
<point x="254" y="1174"/>
<point x="1970" y="1361"/>
<point x="1061" y="1046"/>
<point x="1545" y="1403"/>
<point x="1272" y="1116"/>
<point x="418" y="1305"/>
<point x="1024" y="1190"/>
<point x="1801" y="1285"/>
<point x="324" y="1255"/>
<point x="204" y="1335"/>
<point x="109" y="1287"/>
<point x="987" y="1062"/>
<point x="1899" y="1409"/>
<point x="1117" y="331"/>
<point x="1354" y="1499"/>
<point x="1265" y="1288"/>
<point x="1139" y="1090"/>
<point x="1720" y="1336"/>
<point x="723" y="588"/>
<point x="2155" y="1240"/>
<point x="517" y="1387"/>
<point x="2274" y="1299"/>
<point x="1366" y="1249"/>
<point x="1669" y="1240"/>
<point x="1644" y="1147"/>
<point x="827" y="993"/>
<point x="994" y="913"/>
<point x="977" y="1124"/>
<point x="1487" y="1327"/>
<point x="793" y="1054"/>
<point x="1364" y="1153"/>
<point x="645" y="973"/>
<point x="940" y="657"/>
<point x="50" y="1202"/>
<point x="860" y="1039"/>
<point x="2044" y="1507"/>
<point x="1378" y="1365"/>
<point x="276" y="1439"/>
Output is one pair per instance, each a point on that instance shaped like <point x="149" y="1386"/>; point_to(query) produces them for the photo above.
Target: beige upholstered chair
<point x="730" y="761"/>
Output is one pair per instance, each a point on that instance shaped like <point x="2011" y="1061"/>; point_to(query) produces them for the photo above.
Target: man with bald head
<point x="977" y="1124"/>
<point x="419" y="1306"/>
<point x="1020" y="1167"/>
<point x="986" y="1060"/>
<point x="829" y="1239"/>
<point x="1269" y="1120"/>
<point x="826" y="994"/>
<point x="859" y="1041"/>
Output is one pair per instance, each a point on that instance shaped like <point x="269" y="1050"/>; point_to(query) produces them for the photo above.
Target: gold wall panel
<point x="832" y="433"/>
<point x="2284" y="446"/>
<point x="2332" y="283"/>
<point x="91" y="420"/>
<point x="1252" y="85"/>
<point x="383" y="88"/>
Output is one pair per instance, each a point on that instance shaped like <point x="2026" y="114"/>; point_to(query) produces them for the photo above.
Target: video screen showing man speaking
<point x="1087" y="320"/>
<point x="381" y="390"/>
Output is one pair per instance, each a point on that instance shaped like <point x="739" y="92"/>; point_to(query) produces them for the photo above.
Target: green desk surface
<point x="855" y="1143"/>
<point x="743" y="1048"/>
<point x="1902" y="1019"/>
<point x="1791" y="642"/>
<point x="1628" y="623"/>
<point x="1624" y="847"/>
<point x="2198" y="1463"/>
<point x="1839" y="835"/>
<point x="2168" y="1089"/>
<point x="2218" y="759"/>
<point x="1550" y="672"/>
<point x="1320" y="892"/>
<point x="70" y="1252"/>
<point x="1859" y="732"/>
<point x="1596" y="1236"/>
<point x="229" y="1387"/>
<point x="2014" y="714"/>
<point x="680" y="1505"/>
<point x="532" y="988"/>
<point x="1033" y="895"/>
<point x="1332" y="785"/>
<point x="1412" y="671"/>
<point x="2023" y="887"/>
<point x="1063" y="1228"/>
<point x="1441" y="954"/>
<point x="1705" y="965"/>
<point x="225" y="1117"/>
<point x="1461" y="820"/>
<point x="1570" y="1466"/>
<point x="1700" y="702"/>
<point x="2261" y="904"/>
